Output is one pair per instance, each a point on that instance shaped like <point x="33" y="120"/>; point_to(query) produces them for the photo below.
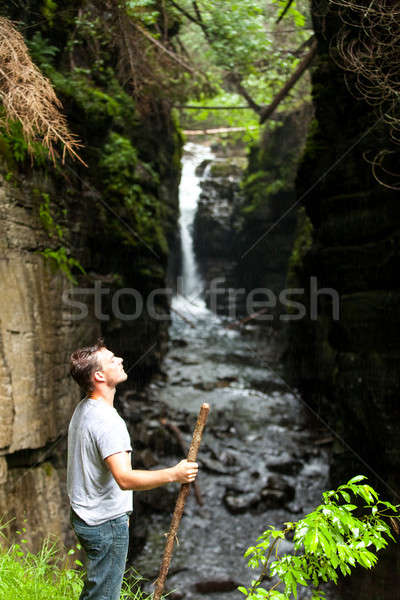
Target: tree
<point x="236" y="51"/>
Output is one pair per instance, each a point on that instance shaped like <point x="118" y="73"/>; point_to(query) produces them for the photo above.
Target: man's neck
<point x="106" y="394"/>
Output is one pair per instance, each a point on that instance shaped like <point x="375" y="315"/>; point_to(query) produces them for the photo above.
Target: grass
<point x="48" y="574"/>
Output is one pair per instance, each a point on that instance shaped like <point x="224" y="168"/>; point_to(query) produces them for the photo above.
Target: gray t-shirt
<point x="96" y="431"/>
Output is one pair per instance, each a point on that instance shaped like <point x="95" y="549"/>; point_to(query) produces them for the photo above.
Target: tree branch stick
<point x="177" y="433"/>
<point x="268" y="110"/>
<point x="180" y="503"/>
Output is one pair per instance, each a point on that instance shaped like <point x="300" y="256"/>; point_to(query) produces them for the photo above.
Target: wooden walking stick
<point x="180" y="503"/>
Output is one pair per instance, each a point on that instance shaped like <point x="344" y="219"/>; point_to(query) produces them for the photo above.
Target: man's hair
<point x="84" y="362"/>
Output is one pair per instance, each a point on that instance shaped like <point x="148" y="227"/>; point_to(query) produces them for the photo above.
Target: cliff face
<point x="346" y="363"/>
<point x="81" y="249"/>
<point x="215" y="225"/>
<point x="239" y="235"/>
<point x="265" y="238"/>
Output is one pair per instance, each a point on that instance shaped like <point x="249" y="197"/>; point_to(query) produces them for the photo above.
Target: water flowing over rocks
<point x="260" y="459"/>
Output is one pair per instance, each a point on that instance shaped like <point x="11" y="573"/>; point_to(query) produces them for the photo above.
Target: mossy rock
<point x="226" y="169"/>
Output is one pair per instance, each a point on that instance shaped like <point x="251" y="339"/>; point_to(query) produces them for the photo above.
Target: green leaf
<point x="356" y="479"/>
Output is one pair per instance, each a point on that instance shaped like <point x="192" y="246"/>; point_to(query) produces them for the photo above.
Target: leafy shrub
<point x="337" y="536"/>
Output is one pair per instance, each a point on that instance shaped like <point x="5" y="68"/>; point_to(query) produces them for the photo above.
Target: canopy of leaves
<point x="239" y="54"/>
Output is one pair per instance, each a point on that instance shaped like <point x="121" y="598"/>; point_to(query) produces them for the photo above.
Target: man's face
<point x="112" y="368"/>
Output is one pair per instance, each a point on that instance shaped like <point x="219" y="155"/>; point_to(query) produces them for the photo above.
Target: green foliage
<point x="242" y="42"/>
<point x="48" y="10"/>
<point x="119" y="161"/>
<point x="17" y="150"/>
<point x="101" y="107"/>
<point x="297" y="15"/>
<point x="206" y="118"/>
<point x="41" y="51"/>
<point x="49" y="573"/>
<point x="302" y="243"/>
<point x="334" y="538"/>
<point x="53" y="229"/>
<point x="143" y="10"/>
<point x="60" y="260"/>
<point x="125" y="180"/>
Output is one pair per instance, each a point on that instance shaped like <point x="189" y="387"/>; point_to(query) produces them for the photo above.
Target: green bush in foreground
<point x="336" y="537"/>
<point x="28" y="576"/>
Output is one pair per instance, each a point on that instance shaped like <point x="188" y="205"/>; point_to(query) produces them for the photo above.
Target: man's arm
<point x="136" y="479"/>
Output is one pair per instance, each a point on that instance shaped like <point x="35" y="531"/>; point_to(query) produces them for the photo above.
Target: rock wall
<point x="240" y="236"/>
<point x="352" y="223"/>
<point x="65" y="231"/>
<point x="267" y="223"/>
<point x="216" y="225"/>
<point x="346" y="364"/>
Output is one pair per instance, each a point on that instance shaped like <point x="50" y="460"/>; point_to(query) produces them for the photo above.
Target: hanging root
<point x="29" y="97"/>
<point x="367" y="47"/>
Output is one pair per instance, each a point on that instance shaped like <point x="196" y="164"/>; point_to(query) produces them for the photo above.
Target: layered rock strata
<point x="81" y="250"/>
<point x="344" y="354"/>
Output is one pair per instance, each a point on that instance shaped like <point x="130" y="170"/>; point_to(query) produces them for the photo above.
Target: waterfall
<point x="190" y="288"/>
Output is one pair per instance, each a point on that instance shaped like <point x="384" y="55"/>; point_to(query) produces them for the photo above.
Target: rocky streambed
<point x="262" y="461"/>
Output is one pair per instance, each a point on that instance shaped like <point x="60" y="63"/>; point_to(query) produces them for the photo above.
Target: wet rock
<point x="160" y="499"/>
<point x="277" y="492"/>
<point x="146" y="458"/>
<point x="211" y="586"/>
<point x="285" y="547"/>
<point x="284" y="463"/>
<point x="294" y="507"/>
<point x="212" y="465"/>
<point x="175" y="595"/>
<point x="187" y="360"/>
<point x="179" y="343"/>
<point x="215" y="466"/>
<point x="199" y="172"/>
<point x="205" y="386"/>
<point x="242" y="502"/>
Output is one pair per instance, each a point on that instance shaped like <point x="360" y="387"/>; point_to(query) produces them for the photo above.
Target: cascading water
<point x="190" y="286"/>
<point x="259" y="463"/>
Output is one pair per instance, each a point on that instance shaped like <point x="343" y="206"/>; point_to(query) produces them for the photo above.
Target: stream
<point x="262" y="461"/>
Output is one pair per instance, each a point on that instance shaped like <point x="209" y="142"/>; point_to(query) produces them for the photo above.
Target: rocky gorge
<point x="72" y="241"/>
<point x="264" y="459"/>
<point x="296" y="407"/>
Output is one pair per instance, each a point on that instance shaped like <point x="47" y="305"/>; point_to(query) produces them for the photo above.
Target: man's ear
<point x="99" y="376"/>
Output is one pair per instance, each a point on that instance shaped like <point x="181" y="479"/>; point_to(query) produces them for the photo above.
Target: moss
<point x="17" y="152"/>
<point x="48" y="469"/>
<point x="225" y="169"/>
<point x="302" y="244"/>
<point x="48" y="10"/>
<point x="313" y="142"/>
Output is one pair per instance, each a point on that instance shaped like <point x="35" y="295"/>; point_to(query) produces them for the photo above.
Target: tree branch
<point x="201" y="22"/>
<point x="305" y="63"/>
<point x="161" y="46"/>
<point x="185" y="13"/>
<point x="236" y="80"/>
<point x="283" y="13"/>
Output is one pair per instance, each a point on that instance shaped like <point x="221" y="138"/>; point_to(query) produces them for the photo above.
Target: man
<point x="99" y="473"/>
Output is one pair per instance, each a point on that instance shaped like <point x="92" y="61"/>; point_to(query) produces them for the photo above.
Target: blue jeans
<point x="106" y="548"/>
